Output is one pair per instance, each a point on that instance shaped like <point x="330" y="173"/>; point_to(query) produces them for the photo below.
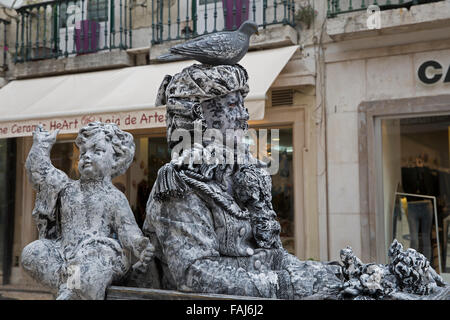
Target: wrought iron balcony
<point x="184" y="19"/>
<point x="72" y="27"/>
<point x="3" y="43"/>
<point x="336" y="7"/>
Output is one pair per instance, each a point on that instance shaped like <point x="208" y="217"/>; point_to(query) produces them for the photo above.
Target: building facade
<point x="387" y="105"/>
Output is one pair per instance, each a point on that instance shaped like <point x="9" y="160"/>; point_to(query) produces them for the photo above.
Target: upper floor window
<point x="97" y="10"/>
<point x="74" y="11"/>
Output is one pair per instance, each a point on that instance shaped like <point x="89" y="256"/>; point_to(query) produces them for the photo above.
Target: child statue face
<point x="96" y="157"/>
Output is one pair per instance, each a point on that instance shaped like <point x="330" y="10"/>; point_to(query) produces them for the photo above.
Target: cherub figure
<point x="87" y="231"/>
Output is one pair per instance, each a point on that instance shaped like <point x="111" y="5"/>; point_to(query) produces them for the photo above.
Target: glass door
<point x="415" y="164"/>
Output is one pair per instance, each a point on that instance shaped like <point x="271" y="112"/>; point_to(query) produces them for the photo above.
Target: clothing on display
<point x="420" y="220"/>
<point x="423" y="180"/>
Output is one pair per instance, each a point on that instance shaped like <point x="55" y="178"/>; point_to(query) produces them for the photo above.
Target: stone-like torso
<point x="235" y="235"/>
<point x="85" y="213"/>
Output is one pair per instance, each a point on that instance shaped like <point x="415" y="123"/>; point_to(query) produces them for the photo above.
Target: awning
<point x="123" y="96"/>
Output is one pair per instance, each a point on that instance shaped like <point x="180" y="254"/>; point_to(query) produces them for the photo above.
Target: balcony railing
<point x="184" y="19"/>
<point x="336" y="7"/>
<point x="3" y="44"/>
<point x="65" y="28"/>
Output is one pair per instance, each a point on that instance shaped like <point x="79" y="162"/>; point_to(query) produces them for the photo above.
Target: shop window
<point x="67" y="17"/>
<point x="64" y="156"/>
<point x="282" y="181"/>
<point x="7" y="199"/>
<point x="97" y="10"/>
<point x="202" y="2"/>
<point x="283" y="189"/>
<point x="72" y="12"/>
<point x="416" y="185"/>
<point x="151" y="154"/>
<point x="2" y="199"/>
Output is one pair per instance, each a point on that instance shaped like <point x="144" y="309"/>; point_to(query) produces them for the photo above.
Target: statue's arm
<point x="185" y="230"/>
<point x="47" y="180"/>
<point x="312" y="278"/>
<point x="130" y="236"/>
<point x="38" y="165"/>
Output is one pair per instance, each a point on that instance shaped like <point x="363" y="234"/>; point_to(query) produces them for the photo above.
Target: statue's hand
<point x="43" y="137"/>
<point x="145" y="256"/>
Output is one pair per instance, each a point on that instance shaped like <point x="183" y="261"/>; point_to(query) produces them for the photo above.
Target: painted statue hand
<point x="43" y="137"/>
<point x="145" y="256"/>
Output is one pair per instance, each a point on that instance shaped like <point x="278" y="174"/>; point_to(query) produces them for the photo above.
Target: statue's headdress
<point x="184" y="93"/>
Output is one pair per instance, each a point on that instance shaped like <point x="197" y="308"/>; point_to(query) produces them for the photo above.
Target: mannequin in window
<point x="420" y="221"/>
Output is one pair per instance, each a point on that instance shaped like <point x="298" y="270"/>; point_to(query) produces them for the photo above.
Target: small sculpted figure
<point x="88" y="235"/>
<point x="352" y="264"/>
<point x="407" y="276"/>
<point x="412" y="270"/>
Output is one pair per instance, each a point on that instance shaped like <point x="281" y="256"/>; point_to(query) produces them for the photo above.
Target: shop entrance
<point x="415" y="169"/>
<point x="7" y="199"/>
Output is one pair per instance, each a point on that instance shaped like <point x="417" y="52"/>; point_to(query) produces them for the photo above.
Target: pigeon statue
<point x="226" y="47"/>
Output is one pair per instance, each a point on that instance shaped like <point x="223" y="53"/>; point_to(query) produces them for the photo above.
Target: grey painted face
<point x="96" y="158"/>
<point x="226" y="112"/>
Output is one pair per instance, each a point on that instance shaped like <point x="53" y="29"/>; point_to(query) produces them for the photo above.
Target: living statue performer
<point x="88" y="235"/>
<point x="212" y="223"/>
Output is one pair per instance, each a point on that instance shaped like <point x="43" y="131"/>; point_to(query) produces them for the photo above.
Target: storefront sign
<point x="125" y="120"/>
<point x="431" y="72"/>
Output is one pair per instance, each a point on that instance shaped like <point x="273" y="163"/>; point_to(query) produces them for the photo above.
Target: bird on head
<point x="220" y="48"/>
